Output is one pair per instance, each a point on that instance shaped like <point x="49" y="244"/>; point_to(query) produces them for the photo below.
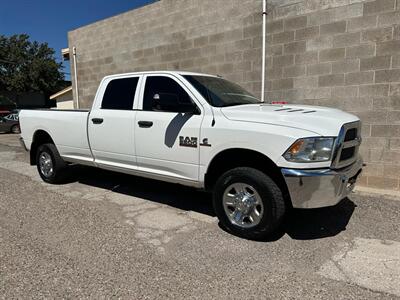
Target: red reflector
<point x="279" y="102"/>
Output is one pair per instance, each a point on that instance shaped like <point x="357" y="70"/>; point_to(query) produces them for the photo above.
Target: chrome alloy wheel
<point x="15" y="129"/>
<point x="46" y="164"/>
<point x="243" y="205"/>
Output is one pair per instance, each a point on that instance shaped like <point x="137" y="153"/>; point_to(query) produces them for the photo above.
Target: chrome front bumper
<point x="315" y="188"/>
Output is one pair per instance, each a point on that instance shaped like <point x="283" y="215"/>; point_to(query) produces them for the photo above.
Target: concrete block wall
<point x="338" y="53"/>
<point x="344" y="54"/>
<point x="211" y="36"/>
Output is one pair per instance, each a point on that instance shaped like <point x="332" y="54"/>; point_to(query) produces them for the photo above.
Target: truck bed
<point x="68" y="129"/>
<point x="57" y="109"/>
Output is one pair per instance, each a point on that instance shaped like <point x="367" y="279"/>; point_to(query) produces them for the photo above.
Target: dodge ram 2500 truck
<point x="259" y="160"/>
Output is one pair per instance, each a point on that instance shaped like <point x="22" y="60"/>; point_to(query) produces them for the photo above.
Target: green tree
<point x="27" y="66"/>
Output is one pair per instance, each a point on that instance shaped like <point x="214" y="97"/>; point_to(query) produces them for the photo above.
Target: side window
<point x="165" y="94"/>
<point x="120" y="94"/>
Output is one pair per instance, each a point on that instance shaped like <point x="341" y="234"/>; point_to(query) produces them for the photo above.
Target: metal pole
<point x="263" y="50"/>
<point x="75" y="78"/>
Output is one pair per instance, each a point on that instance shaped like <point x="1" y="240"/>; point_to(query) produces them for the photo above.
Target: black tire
<point x="15" y="129"/>
<point x="58" y="174"/>
<point x="271" y="197"/>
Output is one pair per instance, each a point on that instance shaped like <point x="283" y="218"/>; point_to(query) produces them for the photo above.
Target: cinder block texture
<point x="338" y="53"/>
<point x="220" y="37"/>
<point x="352" y="61"/>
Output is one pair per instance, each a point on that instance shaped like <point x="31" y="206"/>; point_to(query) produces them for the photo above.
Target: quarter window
<point x="120" y="94"/>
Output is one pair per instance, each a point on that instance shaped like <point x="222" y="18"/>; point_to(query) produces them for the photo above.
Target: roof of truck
<point x="160" y="72"/>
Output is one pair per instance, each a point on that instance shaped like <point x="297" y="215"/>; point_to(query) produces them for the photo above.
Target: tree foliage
<point x="27" y="66"/>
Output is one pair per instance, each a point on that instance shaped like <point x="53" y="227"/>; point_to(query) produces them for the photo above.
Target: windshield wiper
<point x="243" y="95"/>
<point x="235" y="103"/>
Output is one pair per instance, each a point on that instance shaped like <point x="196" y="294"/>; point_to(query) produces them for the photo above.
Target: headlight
<point x="310" y="150"/>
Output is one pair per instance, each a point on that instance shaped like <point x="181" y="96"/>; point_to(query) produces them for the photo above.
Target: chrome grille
<point x="347" y="144"/>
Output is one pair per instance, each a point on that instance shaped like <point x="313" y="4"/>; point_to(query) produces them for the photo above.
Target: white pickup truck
<point x="259" y="160"/>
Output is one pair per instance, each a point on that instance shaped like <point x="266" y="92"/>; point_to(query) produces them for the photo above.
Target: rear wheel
<point x="50" y="165"/>
<point x="248" y="203"/>
<point x="15" y="129"/>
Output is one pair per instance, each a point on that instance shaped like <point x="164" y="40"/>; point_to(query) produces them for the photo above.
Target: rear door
<point x="167" y="129"/>
<point x="111" y="123"/>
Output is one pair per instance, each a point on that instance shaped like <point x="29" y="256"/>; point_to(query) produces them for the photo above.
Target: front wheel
<point x="248" y="203"/>
<point x="15" y="129"/>
<point x="50" y="165"/>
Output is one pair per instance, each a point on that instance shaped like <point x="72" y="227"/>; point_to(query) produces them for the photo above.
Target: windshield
<point x="220" y="92"/>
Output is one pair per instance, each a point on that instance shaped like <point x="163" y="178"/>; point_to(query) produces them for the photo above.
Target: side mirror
<point x="171" y="102"/>
<point x="189" y="108"/>
<point x="165" y="101"/>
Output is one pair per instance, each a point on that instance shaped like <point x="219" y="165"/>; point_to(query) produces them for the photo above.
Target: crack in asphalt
<point x="199" y="255"/>
<point x="156" y="237"/>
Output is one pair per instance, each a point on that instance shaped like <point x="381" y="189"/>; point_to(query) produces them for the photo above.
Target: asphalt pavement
<point x="108" y="235"/>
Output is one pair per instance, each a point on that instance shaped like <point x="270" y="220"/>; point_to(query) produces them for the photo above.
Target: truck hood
<point x="319" y="120"/>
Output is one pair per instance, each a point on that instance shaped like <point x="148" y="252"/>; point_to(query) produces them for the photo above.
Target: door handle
<point x="97" y="120"/>
<point x="145" y="124"/>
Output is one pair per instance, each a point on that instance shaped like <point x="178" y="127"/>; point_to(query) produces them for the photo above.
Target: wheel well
<point x="233" y="158"/>
<point x="39" y="138"/>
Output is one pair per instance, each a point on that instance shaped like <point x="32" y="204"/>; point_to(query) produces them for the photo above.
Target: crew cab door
<point x="111" y="123"/>
<point x="168" y="129"/>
